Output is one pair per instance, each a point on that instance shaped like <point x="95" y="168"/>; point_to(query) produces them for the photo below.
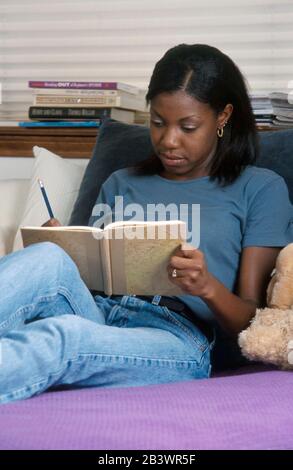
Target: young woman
<point x="54" y="332"/>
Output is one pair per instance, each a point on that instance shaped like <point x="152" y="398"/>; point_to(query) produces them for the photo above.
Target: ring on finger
<point x="174" y="273"/>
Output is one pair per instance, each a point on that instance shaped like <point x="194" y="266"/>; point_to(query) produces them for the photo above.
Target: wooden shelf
<point x="66" y="142"/>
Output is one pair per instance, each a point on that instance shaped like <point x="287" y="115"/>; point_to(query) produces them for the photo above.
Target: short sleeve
<point x="102" y="212"/>
<point x="270" y="216"/>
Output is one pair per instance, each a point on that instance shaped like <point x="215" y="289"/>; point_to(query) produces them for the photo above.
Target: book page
<point x="106" y="266"/>
<point x="67" y="228"/>
<point x="81" y="245"/>
<point x="139" y="265"/>
<point x="152" y="225"/>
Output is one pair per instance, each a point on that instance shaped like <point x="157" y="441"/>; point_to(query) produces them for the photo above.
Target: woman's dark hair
<point x="210" y="76"/>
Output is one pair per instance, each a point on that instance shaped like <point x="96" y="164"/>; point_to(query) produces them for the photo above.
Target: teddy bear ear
<point x="280" y="288"/>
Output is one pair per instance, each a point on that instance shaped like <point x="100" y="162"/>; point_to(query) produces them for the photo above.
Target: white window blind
<point x="120" y="40"/>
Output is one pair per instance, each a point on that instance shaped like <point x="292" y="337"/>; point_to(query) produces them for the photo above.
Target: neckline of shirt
<point x="188" y="181"/>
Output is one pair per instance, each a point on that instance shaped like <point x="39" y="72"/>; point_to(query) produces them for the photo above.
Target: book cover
<point x="61" y="113"/>
<point x="124" y="258"/>
<point x="85" y="85"/>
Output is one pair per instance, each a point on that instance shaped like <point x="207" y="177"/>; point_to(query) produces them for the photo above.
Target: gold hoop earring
<point x="220" y="131"/>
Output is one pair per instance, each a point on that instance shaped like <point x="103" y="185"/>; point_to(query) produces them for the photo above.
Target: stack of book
<point x="282" y="104"/>
<point x="82" y="103"/>
<point x="142" y="118"/>
<point x="262" y="109"/>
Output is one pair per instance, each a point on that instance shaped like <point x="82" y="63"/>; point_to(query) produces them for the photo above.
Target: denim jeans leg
<point x="139" y="345"/>
<point x="42" y="281"/>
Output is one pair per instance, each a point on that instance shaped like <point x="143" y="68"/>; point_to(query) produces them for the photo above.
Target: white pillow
<point x="13" y="194"/>
<point x="61" y="179"/>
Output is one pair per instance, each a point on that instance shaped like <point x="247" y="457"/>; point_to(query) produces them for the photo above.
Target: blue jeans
<point x="54" y="333"/>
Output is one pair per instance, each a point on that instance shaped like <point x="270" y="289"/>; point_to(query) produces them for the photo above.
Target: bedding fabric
<point x="249" y="409"/>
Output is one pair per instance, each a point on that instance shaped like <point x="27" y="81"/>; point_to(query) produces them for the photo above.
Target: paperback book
<point x="123" y="258"/>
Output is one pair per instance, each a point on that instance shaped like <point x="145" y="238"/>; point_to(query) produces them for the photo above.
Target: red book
<point x="84" y="85"/>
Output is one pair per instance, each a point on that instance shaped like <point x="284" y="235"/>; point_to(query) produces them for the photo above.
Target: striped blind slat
<point x="121" y="41"/>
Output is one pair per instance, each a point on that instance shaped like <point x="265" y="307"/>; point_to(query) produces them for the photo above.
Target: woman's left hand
<point x="188" y="270"/>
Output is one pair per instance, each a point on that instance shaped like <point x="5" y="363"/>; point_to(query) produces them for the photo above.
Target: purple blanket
<point x="247" y="410"/>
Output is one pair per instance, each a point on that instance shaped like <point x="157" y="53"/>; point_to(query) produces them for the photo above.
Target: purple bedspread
<point x="247" y="410"/>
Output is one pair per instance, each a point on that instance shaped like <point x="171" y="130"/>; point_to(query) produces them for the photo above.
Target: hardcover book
<point x="60" y="113"/>
<point x="123" y="258"/>
<point x="84" y="85"/>
<point x="101" y="99"/>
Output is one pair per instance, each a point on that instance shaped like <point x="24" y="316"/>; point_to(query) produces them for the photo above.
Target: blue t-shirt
<point x="253" y="211"/>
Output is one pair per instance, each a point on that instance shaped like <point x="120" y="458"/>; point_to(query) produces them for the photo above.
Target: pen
<point x="46" y="198"/>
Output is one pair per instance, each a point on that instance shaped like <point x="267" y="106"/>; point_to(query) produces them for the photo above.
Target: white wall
<point x="22" y="167"/>
<point x="120" y="40"/>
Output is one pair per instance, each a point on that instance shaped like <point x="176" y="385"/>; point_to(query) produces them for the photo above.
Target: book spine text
<point x="41" y="112"/>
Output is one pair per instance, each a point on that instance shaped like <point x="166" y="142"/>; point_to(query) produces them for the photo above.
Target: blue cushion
<point x="118" y="146"/>
<point x="121" y="145"/>
<point x="276" y="153"/>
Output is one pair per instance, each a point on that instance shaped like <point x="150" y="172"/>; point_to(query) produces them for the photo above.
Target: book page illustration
<point x="146" y="266"/>
<point x="139" y="265"/>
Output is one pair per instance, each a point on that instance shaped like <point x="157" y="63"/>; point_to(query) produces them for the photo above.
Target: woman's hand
<point x="52" y="223"/>
<point x="192" y="275"/>
<point x="233" y="311"/>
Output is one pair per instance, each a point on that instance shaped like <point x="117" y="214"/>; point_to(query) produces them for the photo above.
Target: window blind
<point x="119" y="40"/>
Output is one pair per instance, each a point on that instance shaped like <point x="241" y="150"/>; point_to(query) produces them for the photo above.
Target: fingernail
<point x="186" y="246"/>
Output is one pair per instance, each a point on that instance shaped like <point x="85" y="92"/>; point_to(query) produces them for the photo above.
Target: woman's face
<point x="184" y="134"/>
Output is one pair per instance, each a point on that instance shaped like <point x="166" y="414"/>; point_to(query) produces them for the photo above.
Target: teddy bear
<point x="269" y="337"/>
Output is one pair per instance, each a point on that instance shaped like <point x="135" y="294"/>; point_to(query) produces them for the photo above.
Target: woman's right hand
<point x="52" y="223"/>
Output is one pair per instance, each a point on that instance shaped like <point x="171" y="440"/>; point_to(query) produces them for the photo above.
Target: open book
<point x="124" y="258"/>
